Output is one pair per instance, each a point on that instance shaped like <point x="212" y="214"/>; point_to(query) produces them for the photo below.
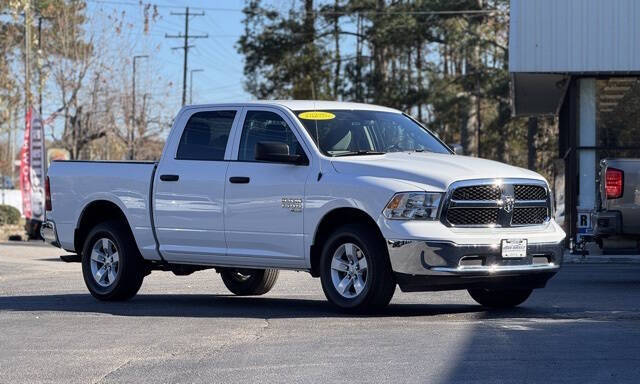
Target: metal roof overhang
<point x="535" y="94"/>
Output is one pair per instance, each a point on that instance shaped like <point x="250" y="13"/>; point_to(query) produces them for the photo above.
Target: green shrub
<point x="9" y="215"/>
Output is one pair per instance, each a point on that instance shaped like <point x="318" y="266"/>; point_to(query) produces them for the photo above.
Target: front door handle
<point x="239" y="180"/>
<point x="169" y="177"/>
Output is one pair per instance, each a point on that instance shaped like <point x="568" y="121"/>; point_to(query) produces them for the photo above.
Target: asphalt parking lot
<point x="583" y="328"/>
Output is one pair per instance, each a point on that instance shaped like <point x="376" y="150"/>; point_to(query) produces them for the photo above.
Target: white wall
<point x="11" y="197"/>
<point x="561" y="36"/>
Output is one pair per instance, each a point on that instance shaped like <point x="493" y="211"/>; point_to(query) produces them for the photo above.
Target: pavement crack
<point x="234" y="342"/>
<point x="260" y="334"/>
<point x="113" y="371"/>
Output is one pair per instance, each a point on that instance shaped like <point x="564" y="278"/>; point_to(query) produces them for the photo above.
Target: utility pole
<point x="144" y="107"/>
<point x="40" y="85"/>
<point x="532" y="131"/>
<point x="191" y="83"/>
<point x="13" y="143"/>
<point x="27" y="57"/>
<point x="186" y="46"/>
<point x="39" y="67"/>
<point x="358" y="87"/>
<point x="134" y="119"/>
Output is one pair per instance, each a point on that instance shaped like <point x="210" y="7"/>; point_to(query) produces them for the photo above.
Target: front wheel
<point x="249" y="282"/>
<point x="355" y="271"/>
<point x="500" y="298"/>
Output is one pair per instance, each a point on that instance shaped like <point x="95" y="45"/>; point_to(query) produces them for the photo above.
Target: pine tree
<point x="444" y="61"/>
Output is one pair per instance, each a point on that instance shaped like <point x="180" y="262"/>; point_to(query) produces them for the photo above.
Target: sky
<point x="221" y="78"/>
<point x="222" y="75"/>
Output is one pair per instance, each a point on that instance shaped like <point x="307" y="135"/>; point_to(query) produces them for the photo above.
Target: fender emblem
<point x="294" y="204"/>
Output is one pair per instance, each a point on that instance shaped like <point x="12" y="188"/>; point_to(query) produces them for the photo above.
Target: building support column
<point x="587" y="162"/>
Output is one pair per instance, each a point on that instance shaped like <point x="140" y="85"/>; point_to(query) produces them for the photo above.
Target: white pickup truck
<point x="362" y="196"/>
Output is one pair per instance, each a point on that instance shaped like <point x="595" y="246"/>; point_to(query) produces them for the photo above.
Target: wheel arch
<point x="332" y="220"/>
<point x="95" y="212"/>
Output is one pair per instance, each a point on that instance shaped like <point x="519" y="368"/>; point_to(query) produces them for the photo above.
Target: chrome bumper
<point x="436" y="266"/>
<point x="491" y="269"/>
<point x="49" y="234"/>
<point x="417" y="257"/>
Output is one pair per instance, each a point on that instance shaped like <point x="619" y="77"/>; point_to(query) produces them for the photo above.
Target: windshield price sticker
<point x="317" y="115"/>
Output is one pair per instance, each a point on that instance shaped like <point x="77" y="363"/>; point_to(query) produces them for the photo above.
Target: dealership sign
<point x="32" y="167"/>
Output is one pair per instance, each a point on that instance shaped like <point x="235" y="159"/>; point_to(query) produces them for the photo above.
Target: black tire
<point x="130" y="268"/>
<point x="249" y="282"/>
<point x="32" y="227"/>
<point x="379" y="284"/>
<point x="507" y="298"/>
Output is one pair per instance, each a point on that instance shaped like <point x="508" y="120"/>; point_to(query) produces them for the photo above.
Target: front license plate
<point x="514" y="248"/>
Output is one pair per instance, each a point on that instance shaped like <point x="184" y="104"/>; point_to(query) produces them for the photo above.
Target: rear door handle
<point x="169" y="177"/>
<point x="239" y="180"/>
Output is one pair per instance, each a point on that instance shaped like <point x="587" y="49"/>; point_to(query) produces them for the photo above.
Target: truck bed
<point x="74" y="184"/>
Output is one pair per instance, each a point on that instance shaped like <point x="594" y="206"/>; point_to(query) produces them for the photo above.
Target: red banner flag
<point x="32" y="172"/>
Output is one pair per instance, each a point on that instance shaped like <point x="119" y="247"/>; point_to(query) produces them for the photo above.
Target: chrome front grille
<point x="476" y="216"/>
<point x="529" y="192"/>
<point x="529" y="216"/>
<point x="504" y="203"/>
<point x="477" y="192"/>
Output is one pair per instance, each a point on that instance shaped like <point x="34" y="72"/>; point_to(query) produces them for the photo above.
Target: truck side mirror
<point x="457" y="149"/>
<point x="277" y="152"/>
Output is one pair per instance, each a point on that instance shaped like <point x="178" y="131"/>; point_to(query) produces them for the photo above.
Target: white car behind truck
<point x="362" y="196"/>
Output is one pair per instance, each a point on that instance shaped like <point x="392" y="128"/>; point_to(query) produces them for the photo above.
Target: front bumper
<point x="49" y="233"/>
<point x="439" y="265"/>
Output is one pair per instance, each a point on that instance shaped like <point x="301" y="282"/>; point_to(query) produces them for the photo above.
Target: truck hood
<point x="429" y="170"/>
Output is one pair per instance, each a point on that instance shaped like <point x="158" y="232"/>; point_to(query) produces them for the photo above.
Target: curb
<point x="579" y="259"/>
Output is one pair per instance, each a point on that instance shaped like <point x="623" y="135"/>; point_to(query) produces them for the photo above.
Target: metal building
<point x="579" y="60"/>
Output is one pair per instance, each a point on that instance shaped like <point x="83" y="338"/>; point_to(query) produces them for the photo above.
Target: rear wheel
<point x="111" y="264"/>
<point x="355" y="271"/>
<point x="500" y="298"/>
<point x="249" y="282"/>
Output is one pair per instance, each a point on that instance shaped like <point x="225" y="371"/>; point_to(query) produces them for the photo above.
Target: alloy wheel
<point x="105" y="262"/>
<point x="349" y="270"/>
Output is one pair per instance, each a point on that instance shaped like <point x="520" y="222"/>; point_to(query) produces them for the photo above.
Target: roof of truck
<point x="308" y="105"/>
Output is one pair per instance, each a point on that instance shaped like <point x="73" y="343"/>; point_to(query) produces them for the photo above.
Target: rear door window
<point x="205" y="136"/>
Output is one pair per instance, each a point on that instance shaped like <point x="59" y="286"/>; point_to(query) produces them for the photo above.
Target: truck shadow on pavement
<point x="228" y="306"/>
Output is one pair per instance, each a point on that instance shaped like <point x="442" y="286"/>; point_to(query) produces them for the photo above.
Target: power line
<point x="186" y="46"/>
<point x="328" y="13"/>
<point x="204" y="56"/>
<point x="215" y="25"/>
<point x="191" y="84"/>
<point x="137" y="4"/>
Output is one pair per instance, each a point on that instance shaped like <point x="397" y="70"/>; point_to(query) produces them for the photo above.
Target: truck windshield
<point x="353" y="133"/>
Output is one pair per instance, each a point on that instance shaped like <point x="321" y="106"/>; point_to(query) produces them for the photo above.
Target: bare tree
<point x="92" y="82"/>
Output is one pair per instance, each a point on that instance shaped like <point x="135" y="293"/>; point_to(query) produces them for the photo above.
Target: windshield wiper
<point x="359" y="153"/>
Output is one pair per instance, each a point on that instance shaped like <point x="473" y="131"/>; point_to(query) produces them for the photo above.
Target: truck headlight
<point x="413" y="206"/>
